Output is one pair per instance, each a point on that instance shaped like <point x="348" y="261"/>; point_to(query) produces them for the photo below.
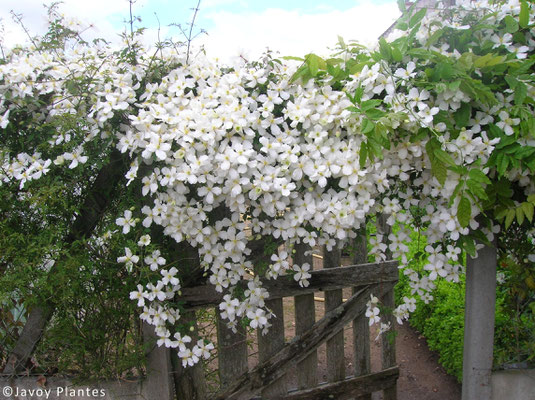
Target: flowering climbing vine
<point x="201" y="162"/>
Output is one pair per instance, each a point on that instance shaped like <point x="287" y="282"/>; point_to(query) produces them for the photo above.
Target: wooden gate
<point x="276" y="356"/>
<point x="280" y="360"/>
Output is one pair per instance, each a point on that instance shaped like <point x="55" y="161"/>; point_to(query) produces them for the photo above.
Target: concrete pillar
<point x="480" y="303"/>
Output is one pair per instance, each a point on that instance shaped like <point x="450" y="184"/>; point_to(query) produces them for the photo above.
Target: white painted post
<point x="480" y="303"/>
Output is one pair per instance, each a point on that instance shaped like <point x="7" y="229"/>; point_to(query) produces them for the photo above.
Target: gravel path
<point x="421" y="376"/>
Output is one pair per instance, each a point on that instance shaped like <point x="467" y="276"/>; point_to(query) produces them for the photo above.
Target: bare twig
<point x="190" y="37"/>
<point x="18" y="20"/>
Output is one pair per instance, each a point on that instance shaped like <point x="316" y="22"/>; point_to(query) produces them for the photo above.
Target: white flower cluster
<point x="228" y="154"/>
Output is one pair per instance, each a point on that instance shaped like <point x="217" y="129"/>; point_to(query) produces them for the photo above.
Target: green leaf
<point x="503" y="189"/>
<point x="505" y="141"/>
<point x="466" y="61"/>
<point x="488" y="60"/>
<point x="367" y="126"/>
<point x="356" y="68"/>
<point x="444" y="157"/>
<point x="397" y="56"/>
<point x="440" y="171"/>
<point x="375" y="114"/>
<point x="454" y="85"/>
<point x="509" y="217"/>
<point x="402" y="26"/>
<point x="401" y="6"/>
<point x="480" y="236"/>
<point x="341" y="42"/>
<point x="375" y="148"/>
<point x="358" y="95"/>
<point x="369" y="104"/>
<point x="477" y="189"/>
<point x="456" y="191"/>
<point x="528" y="210"/>
<point x="385" y="49"/>
<point x="480" y="62"/>
<point x="469" y="246"/>
<point x="303" y="73"/>
<point x="519" y="215"/>
<point x="524" y="152"/>
<point x="521" y="91"/>
<point x="438" y="168"/>
<point x="443" y="71"/>
<point x="363" y="155"/>
<point x="313" y="64"/>
<point x="502" y="162"/>
<point x="72" y="87"/>
<point x="523" y="18"/>
<point x="462" y="115"/>
<point x="511" y="80"/>
<point x="434" y="37"/>
<point x="511" y="25"/>
<point x="417" y="17"/>
<point x="479" y="176"/>
<point x="293" y="58"/>
<point x="464" y="212"/>
<point x="332" y="70"/>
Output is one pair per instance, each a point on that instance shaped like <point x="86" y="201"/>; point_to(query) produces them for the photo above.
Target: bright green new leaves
<point x="417" y="17"/>
<point x="310" y="68"/>
<point x="488" y="73"/>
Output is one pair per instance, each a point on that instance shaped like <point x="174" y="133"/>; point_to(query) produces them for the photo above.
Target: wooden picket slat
<point x="305" y="317"/>
<point x="232" y="351"/>
<point x="335" y="345"/>
<point x="270" y="344"/>
<point x="361" y="328"/>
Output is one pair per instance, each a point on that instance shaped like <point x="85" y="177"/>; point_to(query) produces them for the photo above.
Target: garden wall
<point x="518" y="384"/>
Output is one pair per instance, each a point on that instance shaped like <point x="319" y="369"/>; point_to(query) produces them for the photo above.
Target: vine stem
<point x="195" y="11"/>
<point x="130" y="4"/>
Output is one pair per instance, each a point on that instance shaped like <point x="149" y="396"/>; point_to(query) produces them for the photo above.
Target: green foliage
<point x="95" y="332"/>
<point x="441" y="321"/>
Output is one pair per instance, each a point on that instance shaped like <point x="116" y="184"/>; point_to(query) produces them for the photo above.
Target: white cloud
<point x="207" y="4"/>
<point x="94" y="13"/>
<point x="295" y="33"/>
<point x="290" y="32"/>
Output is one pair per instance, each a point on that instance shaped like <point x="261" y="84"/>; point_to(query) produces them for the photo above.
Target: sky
<point x="230" y="27"/>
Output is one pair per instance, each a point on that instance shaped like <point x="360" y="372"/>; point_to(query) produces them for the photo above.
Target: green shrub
<point x="442" y="323"/>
